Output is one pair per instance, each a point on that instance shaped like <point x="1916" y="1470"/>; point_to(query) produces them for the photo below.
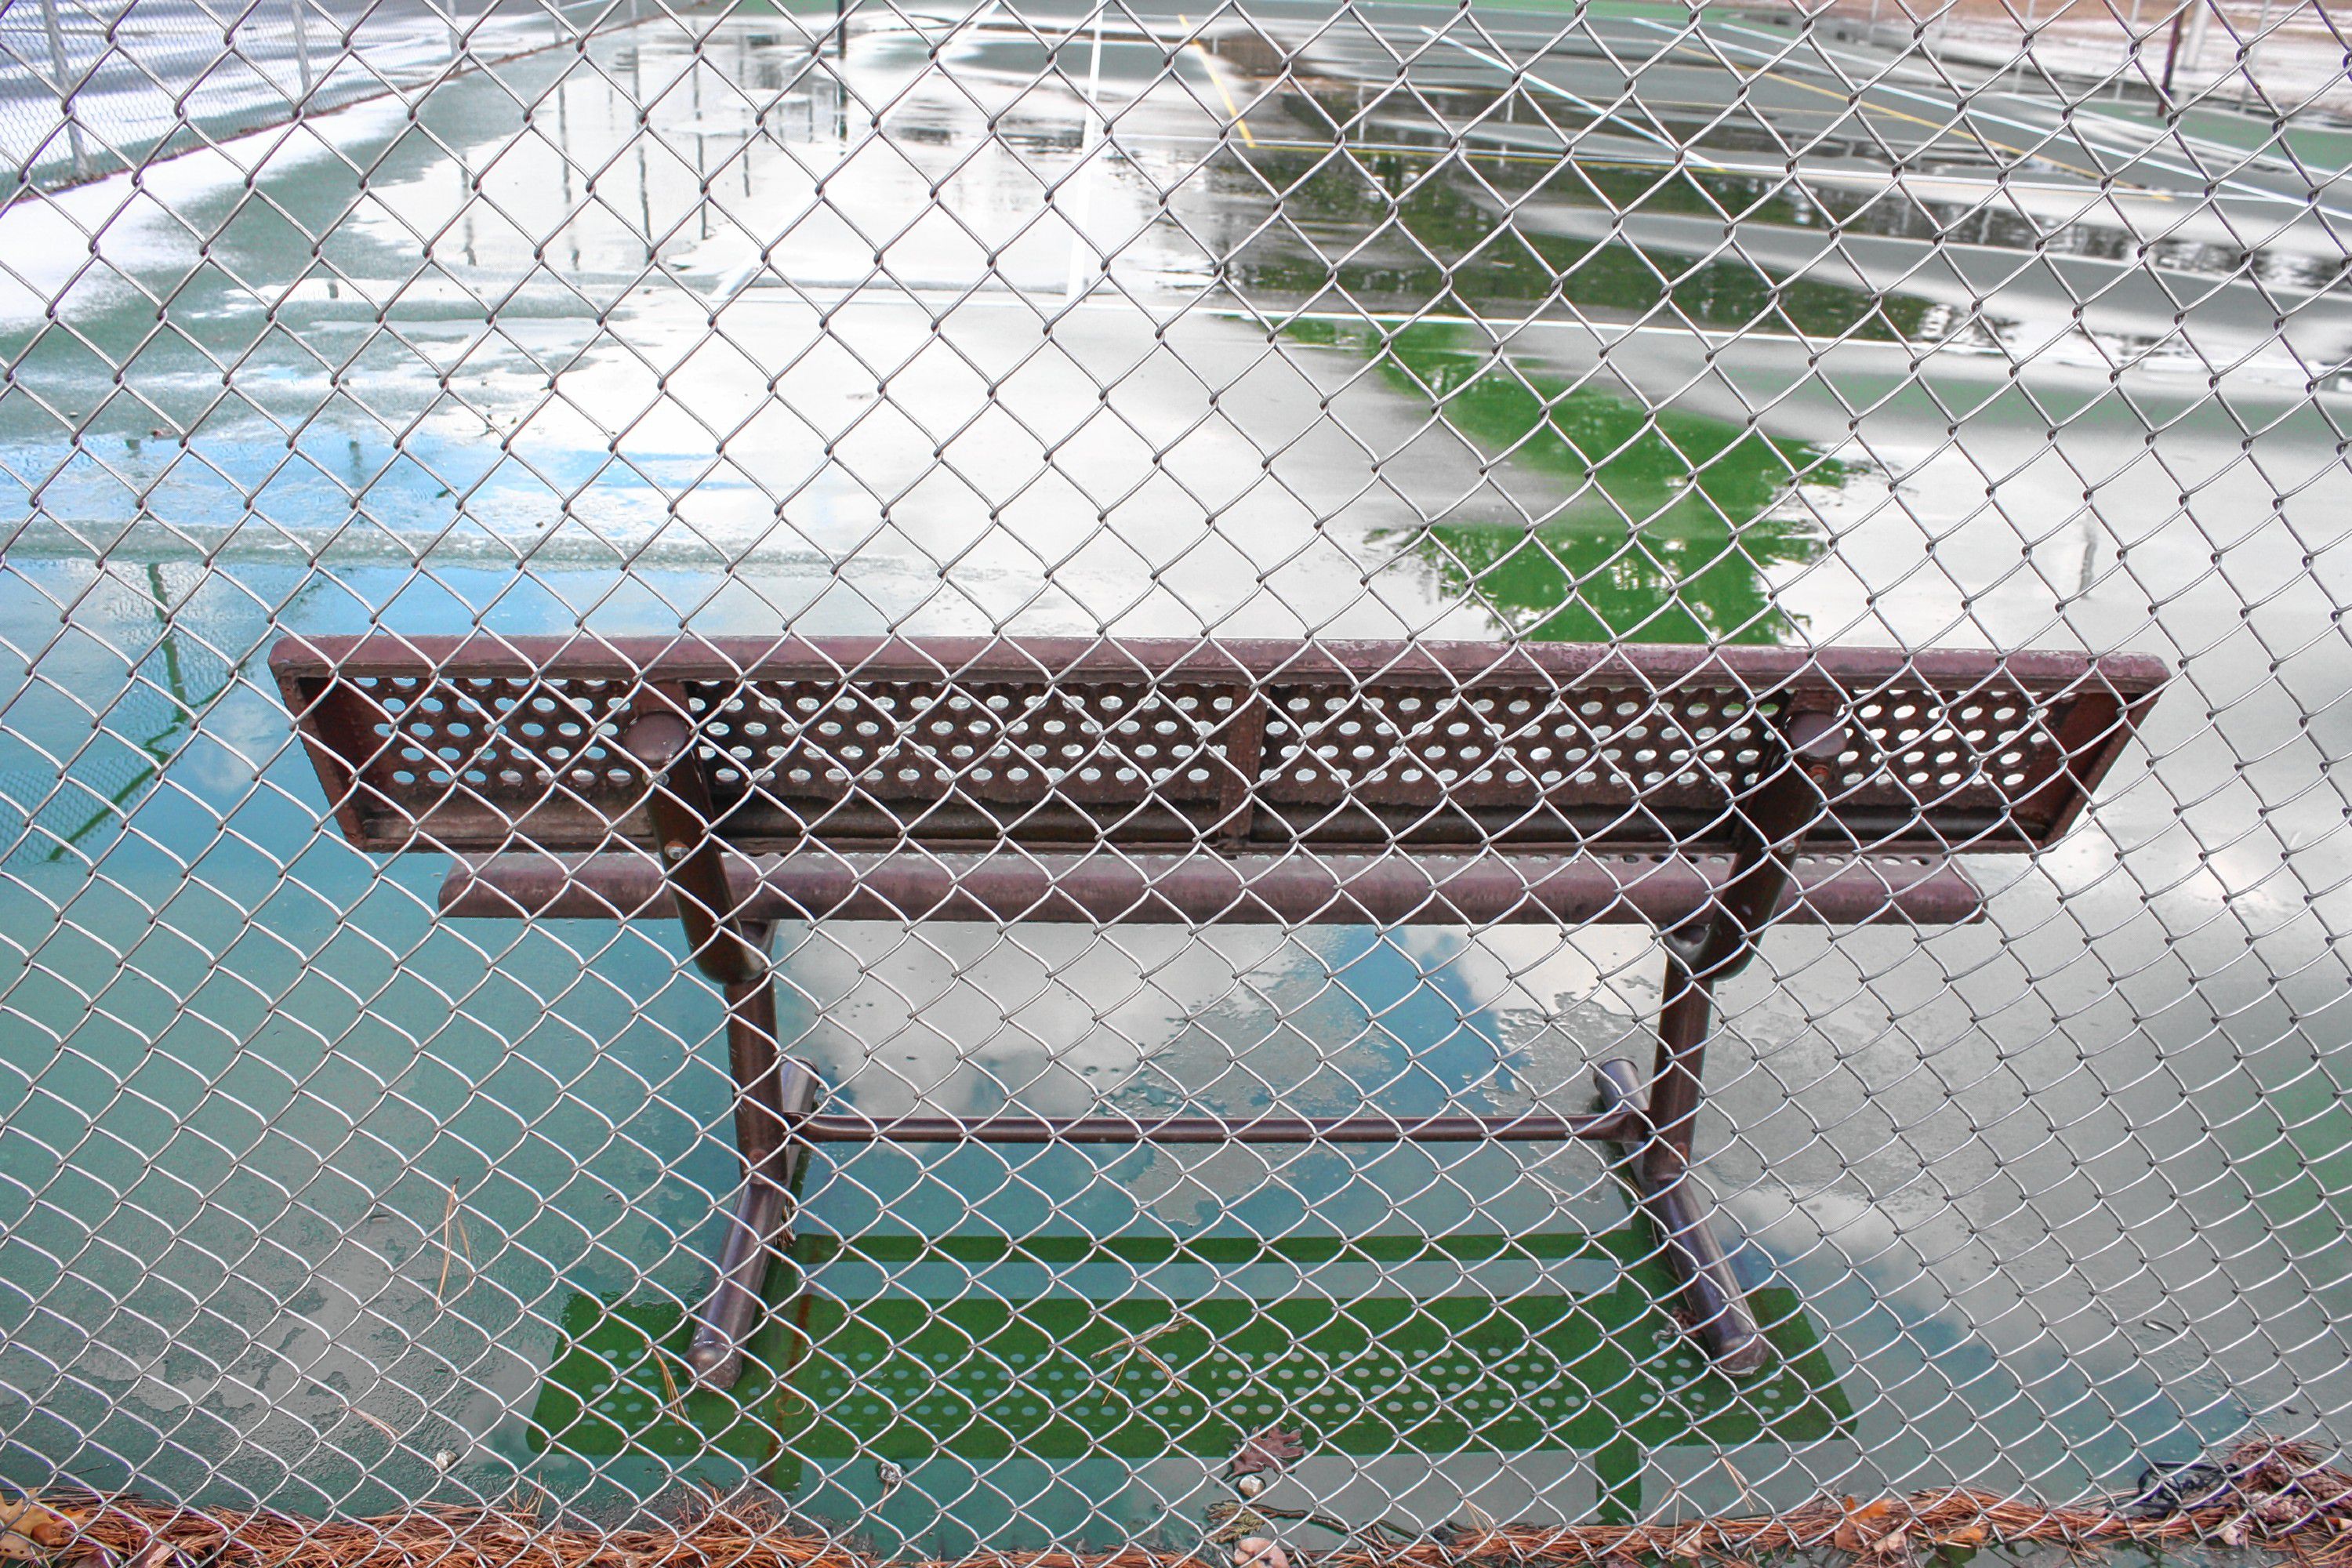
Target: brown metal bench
<point x="734" y="783"/>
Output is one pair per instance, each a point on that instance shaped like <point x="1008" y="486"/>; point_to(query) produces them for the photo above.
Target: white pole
<point x="2200" y="14"/>
<point x="2246" y="83"/>
<point x="2131" y="55"/>
<point x="302" y="44"/>
<point x="1089" y="136"/>
<point x="62" y="70"/>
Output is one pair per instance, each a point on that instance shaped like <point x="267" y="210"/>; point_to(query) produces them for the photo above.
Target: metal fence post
<point x="300" y="9"/>
<point x="1090" y="134"/>
<point x="2201" y="17"/>
<point x="2247" y="85"/>
<point x="61" y="70"/>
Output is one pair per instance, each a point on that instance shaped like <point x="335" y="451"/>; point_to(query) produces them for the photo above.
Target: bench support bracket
<point x="773" y="1095"/>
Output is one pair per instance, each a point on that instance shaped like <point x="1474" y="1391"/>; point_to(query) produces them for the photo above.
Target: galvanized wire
<point x="1995" y="327"/>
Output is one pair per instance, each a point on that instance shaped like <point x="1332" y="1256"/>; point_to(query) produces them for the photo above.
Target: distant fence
<point x="88" y="87"/>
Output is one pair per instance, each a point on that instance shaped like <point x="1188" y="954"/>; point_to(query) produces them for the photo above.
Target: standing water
<point x="1413" y="323"/>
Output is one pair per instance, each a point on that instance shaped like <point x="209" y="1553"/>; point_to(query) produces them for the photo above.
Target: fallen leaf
<point x="1863" y="1527"/>
<point x="1230" y="1522"/>
<point x="31" y="1532"/>
<point x="1272" y="1449"/>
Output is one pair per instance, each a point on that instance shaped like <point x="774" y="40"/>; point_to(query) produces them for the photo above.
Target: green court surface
<point x="983" y="1375"/>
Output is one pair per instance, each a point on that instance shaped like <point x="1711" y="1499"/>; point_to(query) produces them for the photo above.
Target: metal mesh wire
<point x="1999" y="327"/>
<point x="90" y="90"/>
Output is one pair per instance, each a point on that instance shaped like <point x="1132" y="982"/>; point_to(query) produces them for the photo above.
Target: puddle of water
<point x="1666" y="526"/>
<point x="1062" y="1351"/>
<point x="247" y="1069"/>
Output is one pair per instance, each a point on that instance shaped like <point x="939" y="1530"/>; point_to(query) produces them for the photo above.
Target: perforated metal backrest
<point x="486" y="744"/>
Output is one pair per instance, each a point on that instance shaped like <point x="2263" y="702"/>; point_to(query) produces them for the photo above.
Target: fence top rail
<point x="485" y="745"/>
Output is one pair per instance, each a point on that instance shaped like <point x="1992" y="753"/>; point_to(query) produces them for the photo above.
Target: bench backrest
<point x="484" y="744"/>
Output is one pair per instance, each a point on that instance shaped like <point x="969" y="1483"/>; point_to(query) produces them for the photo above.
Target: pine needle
<point x="1874" y="1534"/>
<point x="378" y="1422"/>
<point x="452" y="1218"/>
<point x="669" y="1388"/>
<point x="1748" y="1497"/>
<point x="448" y="1213"/>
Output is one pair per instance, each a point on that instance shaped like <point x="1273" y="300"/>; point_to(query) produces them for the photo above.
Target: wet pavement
<point x="1177" y="342"/>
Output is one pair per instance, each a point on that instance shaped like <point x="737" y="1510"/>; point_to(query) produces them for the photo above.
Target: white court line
<point x="2207" y="184"/>
<point x="1501" y="328"/>
<point x="1528" y="79"/>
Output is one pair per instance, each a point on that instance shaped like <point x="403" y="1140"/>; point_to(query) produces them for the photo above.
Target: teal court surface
<point x="991" y="318"/>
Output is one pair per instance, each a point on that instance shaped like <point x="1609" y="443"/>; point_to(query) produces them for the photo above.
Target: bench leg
<point x="770" y="1096"/>
<point x="1659" y="1164"/>
<point x="1775" y="817"/>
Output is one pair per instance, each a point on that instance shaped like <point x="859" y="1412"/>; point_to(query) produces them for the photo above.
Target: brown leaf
<point x="31" y="1532"/>
<point x="1862" y="1527"/>
<point x="1272" y="1449"/>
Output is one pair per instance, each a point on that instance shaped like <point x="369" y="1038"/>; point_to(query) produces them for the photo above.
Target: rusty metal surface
<point x="507" y="744"/>
<point x="1655" y="889"/>
<point x="1532" y="1127"/>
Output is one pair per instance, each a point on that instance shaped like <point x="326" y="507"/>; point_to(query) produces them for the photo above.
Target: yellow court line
<point x="1233" y="109"/>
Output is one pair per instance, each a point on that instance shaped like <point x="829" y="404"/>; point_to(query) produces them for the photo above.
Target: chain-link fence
<point x="1057" y="670"/>
<point x="88" y="90"/>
